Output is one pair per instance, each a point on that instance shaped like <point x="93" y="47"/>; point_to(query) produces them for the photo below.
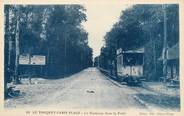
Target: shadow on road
<point x="161" y="100"/>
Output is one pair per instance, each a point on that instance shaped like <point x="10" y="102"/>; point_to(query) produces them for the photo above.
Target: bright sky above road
<point x="100" y="19"/>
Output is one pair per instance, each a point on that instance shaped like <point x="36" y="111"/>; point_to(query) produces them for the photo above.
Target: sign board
<point x="32" y="60"/>
<point x="24" y="59"/>
<point x="37" y="60"/>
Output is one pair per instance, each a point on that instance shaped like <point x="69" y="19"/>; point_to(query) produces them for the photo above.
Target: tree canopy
<point x="143" y="26"/>
<point x="54" y="31"/>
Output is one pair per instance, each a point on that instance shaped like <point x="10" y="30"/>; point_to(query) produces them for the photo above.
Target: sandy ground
<point x="86" y="89"/>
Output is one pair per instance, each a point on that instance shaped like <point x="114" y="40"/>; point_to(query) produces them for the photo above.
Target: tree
<point x="51" y="30"/>
<point x="143" y="26"/>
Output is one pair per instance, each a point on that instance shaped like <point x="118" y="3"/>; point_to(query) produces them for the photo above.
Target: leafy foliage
<point x="143" y="26"/>
<point x="54" y="31"/>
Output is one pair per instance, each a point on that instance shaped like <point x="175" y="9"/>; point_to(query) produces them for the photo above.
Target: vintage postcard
<point x="91" y="58"/>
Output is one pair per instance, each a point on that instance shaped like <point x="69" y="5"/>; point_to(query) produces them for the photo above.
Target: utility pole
<point x="17" y="49"/>
<point x="165" y="44"/>
<point x="153" y="44"/>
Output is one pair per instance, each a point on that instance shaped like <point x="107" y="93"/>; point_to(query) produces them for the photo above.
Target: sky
<point x="100" y="19"/>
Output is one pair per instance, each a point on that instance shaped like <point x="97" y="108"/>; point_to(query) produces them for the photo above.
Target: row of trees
<point x="143" y="26"/>
<point x="54" y="31"/>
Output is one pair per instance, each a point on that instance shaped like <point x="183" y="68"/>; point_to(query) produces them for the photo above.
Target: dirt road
<point x="86" y="89"/>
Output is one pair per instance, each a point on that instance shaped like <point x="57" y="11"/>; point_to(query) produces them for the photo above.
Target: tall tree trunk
<point x="155" y="60"/>
<point x="165" y="44"/>
<point x="65" y="56"/>
<point x="48" y="61"/>
<point x="7" y="49"/>
<point x="17" y="49"/>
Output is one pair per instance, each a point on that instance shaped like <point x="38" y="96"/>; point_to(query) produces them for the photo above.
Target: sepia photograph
<point x="92" y="56"/>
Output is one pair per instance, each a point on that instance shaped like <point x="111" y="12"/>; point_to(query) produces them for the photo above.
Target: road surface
<point x="86" y="89"/>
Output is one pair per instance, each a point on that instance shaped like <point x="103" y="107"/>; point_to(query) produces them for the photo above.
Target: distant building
<point x="96" y="61"/>
<point x="172" y="62"/>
